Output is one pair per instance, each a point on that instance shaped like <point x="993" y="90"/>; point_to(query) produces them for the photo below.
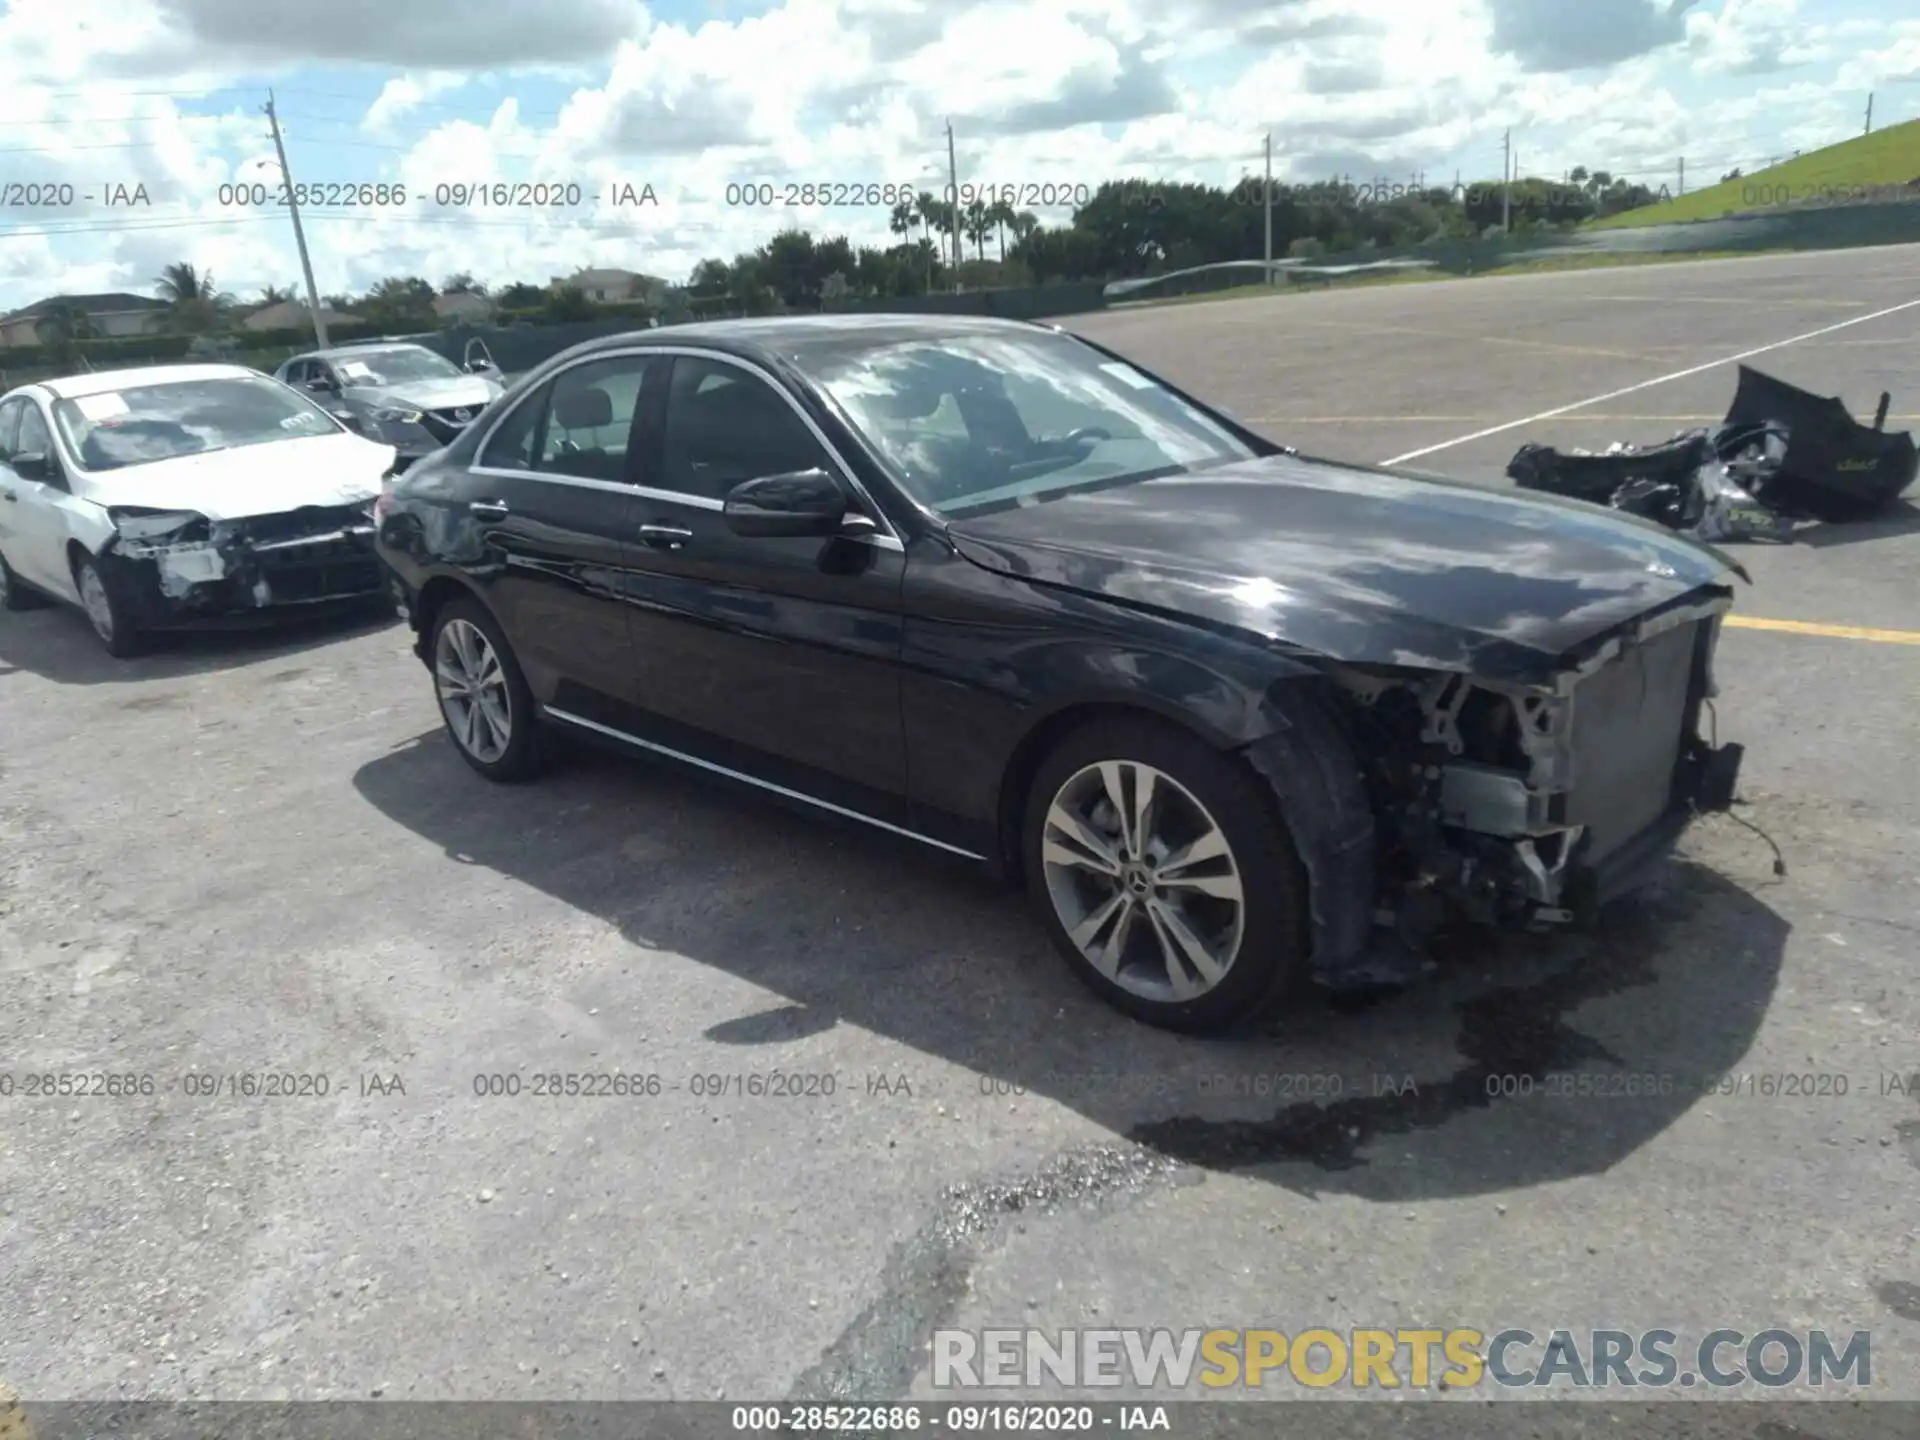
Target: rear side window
<point x="511" y="446"/>
<point x="9" y="422"/>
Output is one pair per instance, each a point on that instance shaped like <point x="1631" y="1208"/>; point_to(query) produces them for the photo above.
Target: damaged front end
<point x="179" y="568"/>
<point x="1528" y="806"/>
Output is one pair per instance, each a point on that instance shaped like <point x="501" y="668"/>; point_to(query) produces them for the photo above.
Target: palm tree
<point x="1024" y="224"/>
<point x="926" y="210"/>
<point x="977" y="224"/>
<point x="1001" y="212"/>
<point x="194" y="305"/>
<point x="900" y="222"/>
<point x="462" y="284"/>
<point x="274" y="295"/>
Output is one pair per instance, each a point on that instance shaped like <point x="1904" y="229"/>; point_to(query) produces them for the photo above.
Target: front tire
<point x="107" y="610"/>
<point x="1163" y="872"/>
<point x="483" y="696"/>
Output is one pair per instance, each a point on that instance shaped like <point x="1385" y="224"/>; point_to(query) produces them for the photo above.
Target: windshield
<point x="145" y="423"/>
<point x="973" y="422"/>
<point x="394" y="367"/>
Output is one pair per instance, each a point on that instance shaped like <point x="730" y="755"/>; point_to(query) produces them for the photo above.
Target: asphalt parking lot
<point x="246" y="855"/>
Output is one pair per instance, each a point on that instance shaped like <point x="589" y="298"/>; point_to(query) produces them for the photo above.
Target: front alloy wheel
<point x="1144" y="881"/>
<point x="1165" y="874"/>
<point x="106" y="611"/>
<point x="483" y="697"/>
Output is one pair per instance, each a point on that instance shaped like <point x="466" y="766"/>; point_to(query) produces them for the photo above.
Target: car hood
<point x="250" y="480"/>
<point x="453" y="392"/>
<point x="1355" y="564"/>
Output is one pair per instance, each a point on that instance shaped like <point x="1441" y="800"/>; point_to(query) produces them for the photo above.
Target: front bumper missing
<point x="1531" y="807"/>
<point x="248" y="570"/>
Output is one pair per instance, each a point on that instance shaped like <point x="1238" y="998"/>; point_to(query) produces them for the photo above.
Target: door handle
<point x="10" y="495"/>
<point x="488" y="509"/>
<point x="665" y="537"/>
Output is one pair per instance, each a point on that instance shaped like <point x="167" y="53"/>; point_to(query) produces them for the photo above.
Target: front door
<point x="37" y="509"/>
<point x="776" y="657"/>
<point x="550" y="504"/>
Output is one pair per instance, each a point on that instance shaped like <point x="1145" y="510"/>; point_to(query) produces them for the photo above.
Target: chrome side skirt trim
<point x="799" y="795"/>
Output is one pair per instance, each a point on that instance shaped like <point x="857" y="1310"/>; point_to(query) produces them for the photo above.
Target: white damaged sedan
<point x="183" y="495"/>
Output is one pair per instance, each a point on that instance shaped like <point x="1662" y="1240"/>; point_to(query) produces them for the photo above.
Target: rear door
<point x="549" y="501"/>
<point x="773" y="657"/>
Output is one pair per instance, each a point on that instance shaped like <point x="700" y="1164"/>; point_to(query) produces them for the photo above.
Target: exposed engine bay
<point x="1510" y="805"/>
<point x="178" y="567"/>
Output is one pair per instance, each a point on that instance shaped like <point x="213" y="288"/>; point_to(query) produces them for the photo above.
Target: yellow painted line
<point x="1349" y="327"/>
<point x="1832" y="632"/>
<point x="1735" y="300"/>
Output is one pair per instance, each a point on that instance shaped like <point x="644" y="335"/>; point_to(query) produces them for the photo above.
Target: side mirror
<point x="351" y="419"/>
<point x="479" y="367"/>
<point x="800" y="503"/>
<point x="320" y="385"/>
<point x="34" y="465"/>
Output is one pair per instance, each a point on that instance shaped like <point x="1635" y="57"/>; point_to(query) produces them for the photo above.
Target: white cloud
<point x="1060" y="93"/>
<point x="403" y="95"/>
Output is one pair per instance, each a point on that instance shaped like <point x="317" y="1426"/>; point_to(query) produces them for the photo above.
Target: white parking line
<point x="1649" y="384"/>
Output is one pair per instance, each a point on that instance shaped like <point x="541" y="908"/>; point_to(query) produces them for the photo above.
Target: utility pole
<point x="1683" y="174"/>
<point x="1869" y="129"/>
<point x="1266" y="205"/>
<point x="953" y="189"/>
<point x="1506" y="183"/>
<point x="299" y="235"/>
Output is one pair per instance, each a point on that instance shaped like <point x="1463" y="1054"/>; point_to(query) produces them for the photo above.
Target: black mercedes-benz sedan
<point x="1230" y="714"/>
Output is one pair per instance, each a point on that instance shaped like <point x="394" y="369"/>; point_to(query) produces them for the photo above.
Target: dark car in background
<point x="1230" y="713"/>
<point x="396" y="392"/>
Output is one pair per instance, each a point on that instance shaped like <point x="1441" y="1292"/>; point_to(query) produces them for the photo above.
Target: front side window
<point x="9" y="421"/>
<point x="726" y="425"/>
<point x="974" y="422"/>
<point x="141" y="424"/>
<point x="34" y="438"/>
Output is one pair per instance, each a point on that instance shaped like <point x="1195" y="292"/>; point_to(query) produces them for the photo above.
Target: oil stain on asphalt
<point x="1504" y="1031"/>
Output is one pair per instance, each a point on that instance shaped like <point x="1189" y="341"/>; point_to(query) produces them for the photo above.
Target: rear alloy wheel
<point x="1165" y="876"/>
<point x="483" y="696"/>
<point x="107" y="611"/>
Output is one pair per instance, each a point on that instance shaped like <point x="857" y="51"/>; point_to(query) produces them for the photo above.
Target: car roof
<point x="355" y="347"/>
<point x="94" y="382"/>
<point x="774" y="334"/>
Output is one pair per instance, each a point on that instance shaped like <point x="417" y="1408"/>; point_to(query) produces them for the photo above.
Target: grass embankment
<point x="1863" y="168"/>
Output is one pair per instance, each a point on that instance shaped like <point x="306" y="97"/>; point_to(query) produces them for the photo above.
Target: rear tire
<point x="1196" y="919"/>
<point x="108" y="610"/>
<point x="483" y="696"/>
<point x="14" y="594"/>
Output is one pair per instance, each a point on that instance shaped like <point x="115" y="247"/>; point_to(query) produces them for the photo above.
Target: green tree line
<point x="1122" y="229"/>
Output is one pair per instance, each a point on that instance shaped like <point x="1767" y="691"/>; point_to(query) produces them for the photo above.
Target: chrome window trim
<point x="887" y="532"/>
<point x="768" y="785"/>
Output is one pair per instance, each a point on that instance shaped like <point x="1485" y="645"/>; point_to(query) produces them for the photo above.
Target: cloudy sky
<point x="156" y="104"/>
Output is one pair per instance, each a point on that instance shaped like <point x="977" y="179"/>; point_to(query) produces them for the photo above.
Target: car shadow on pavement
<point x="55" y="642"/>
<point x="1470" y="1078"/>
<point x="1900" y="518"/>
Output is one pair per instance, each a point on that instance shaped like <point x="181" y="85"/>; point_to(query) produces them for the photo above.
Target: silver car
<point x="396" y="393"/>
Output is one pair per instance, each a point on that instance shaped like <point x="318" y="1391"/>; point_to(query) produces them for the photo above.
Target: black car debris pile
<point x="1782" y="456"/>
